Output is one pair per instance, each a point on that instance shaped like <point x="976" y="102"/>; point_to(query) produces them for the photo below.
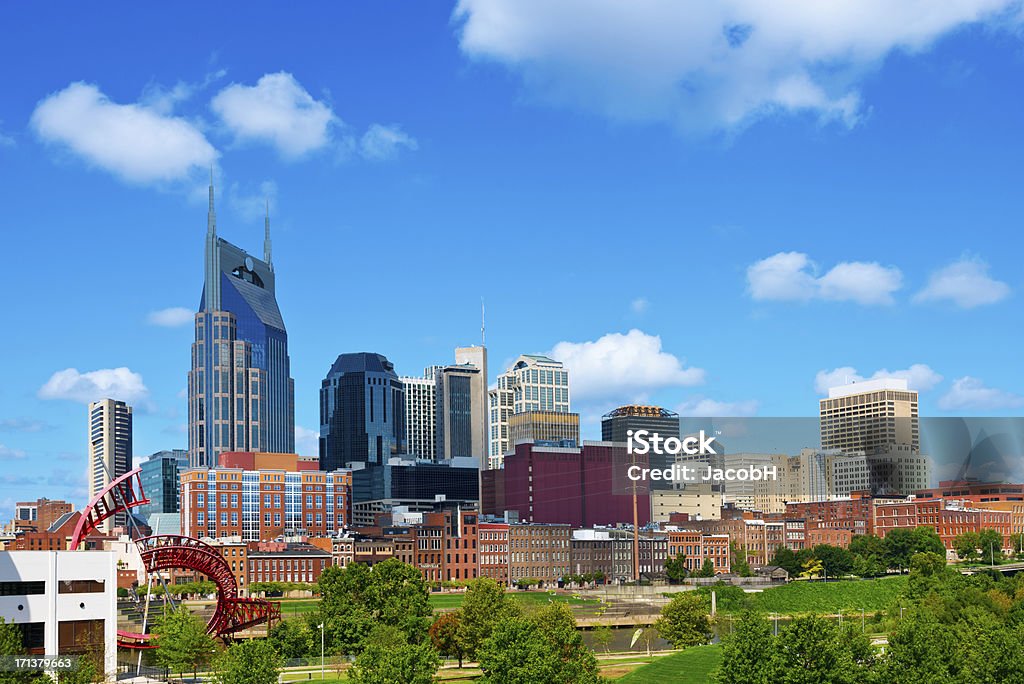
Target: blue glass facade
<point x="241" y="394"/>
<point x="362" y="412"/>
<point x="161" y="483"/>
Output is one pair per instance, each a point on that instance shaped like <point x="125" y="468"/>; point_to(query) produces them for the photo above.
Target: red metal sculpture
<point x="164" y="551"/>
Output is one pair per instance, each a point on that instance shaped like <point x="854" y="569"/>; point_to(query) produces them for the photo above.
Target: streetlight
<point x="321" y="626"/>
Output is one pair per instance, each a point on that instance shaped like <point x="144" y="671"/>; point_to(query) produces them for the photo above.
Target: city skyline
<point x="789" y="258"/>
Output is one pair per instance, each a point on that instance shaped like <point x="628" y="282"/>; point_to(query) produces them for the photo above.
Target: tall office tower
<point x="533" y="383"/>
<point x="870" y="417"/>
<point x="460" y="427"/>
<point x="241" y="396"/>
<point x="161" y="481"/>
<point x="615" y="427"/>
<point x="548" y="427"/>
<point x="477" y="356"/>
<point x="362" y="412"/>
<point x="421" y="413"/>
<point x="110" y="449"/>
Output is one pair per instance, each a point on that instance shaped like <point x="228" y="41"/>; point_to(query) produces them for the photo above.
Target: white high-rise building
<point x="533" y="383"/>
<point x="421" y="413"/>
<point x="110" y="449"/>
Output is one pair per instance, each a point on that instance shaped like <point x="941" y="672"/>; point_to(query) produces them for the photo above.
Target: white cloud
<point x="919" y="377"/>
<point x="791" y="276"/>
<point x="383" y="143"/>
<point x="965" y="283"/>
<point x="277" y="110"/>
<point x="640" y="305"/>
<point x="7" y="453"/>
<point x="163" y="99"/>
<point x="711" y="65"/>
<point x="623" y="367"/>
<point x="711" y="408"/>
<point x="132" y="141"/>
<point x="971" y="393"/>
<point x="115" y="383"/>
<point x="23" y="425"/>
<point x="307" y="442"/>
<point x="173" y="317"/>
<point x="251" y="204"/>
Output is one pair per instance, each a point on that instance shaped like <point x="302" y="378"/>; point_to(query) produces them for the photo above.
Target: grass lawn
<point x="527" y="598"/>
<point x="830" y="597"/>
<point x="692" y="666"/>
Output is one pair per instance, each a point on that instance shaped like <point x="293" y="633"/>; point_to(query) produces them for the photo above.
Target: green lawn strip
<point x="830" y="597"/>
<point x="694" y="665"/>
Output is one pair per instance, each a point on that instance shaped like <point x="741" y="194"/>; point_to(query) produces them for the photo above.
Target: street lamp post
<point x="321" y="625"/>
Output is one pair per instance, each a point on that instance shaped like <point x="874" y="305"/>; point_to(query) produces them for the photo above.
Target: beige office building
<point x="110" y="449"/>
<point x="869" y="417"/>
<point x="544" y="426"/>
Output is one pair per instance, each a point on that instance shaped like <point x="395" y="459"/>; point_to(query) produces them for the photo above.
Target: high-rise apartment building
<point x="240" y="390"/>
<point x="110" y="449"/>
<point x="870" y="417"/>
<point x="460" y="401"/>
<point x="533" y="383"/>
<point x="362" y="412"/>
<point x="421" y="413"/>
<point x="161" y="481"/>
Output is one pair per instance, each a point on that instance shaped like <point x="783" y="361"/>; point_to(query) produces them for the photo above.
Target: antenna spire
<point x="266" y="238"/>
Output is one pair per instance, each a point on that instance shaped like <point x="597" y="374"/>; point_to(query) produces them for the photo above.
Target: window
<point x="80" y="587"/>
<point x="22" y="588"/>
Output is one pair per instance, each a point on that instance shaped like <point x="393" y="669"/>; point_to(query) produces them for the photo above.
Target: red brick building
<point x="493" y="545"/>
<point x="281" y="562"/>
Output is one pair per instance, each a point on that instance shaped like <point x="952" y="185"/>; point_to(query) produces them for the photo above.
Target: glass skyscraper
<point x="240" y="390"/>
<point x="161" y="481"/>
<point x="362" y="412"/>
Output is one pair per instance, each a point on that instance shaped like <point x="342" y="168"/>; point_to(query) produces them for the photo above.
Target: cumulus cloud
<point x="622" y="367"/>
<point x="134" y="142"/>
<point x="919" y="377"/>
<point x="706" y="66"/>
<point x="23" y="425"/>
<point x="965" y="283"/>
<point x="971" y="393"/>
<point x="383" y="143"/>
<point x="279" y="111"/>
<point x="712" y="408"/>
<point x="792" y="276"/>
<point x="173" y="317"/>
<point x="115" y="383"/>
<point x="7" y="453"/>
<point x="307" y="442"/>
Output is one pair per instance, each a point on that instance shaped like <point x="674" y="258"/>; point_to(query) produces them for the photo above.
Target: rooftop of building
<point x="640" y="410"/>
<point x="863" y="386"/>
<point x="362" y="362"/>
<point x="292" y="549"/>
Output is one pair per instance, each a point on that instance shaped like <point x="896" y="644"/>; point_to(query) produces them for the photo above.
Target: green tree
<point x="485" y="605"/>
<point x="601" y="636"/>
<point x="836" y="561"/>
<point x="921" y="651"/>
<point x="812" y="568"/>
<point x="990" y="542"/>
<point x="675" y="568"/>
<point x="785" y="558"/>
<point x="928" y="571"/>
<point x="707" y="569"/>
<point x="747" y="652"/>
<point x="11" y="645"/>
<point x="685" y="621"/>
<point x="293" y="639"/>
<point x="810" y="650"/>
<point x="445" y="635"/>
<point x="927" y="540"/>
<point x="249" y="662"/>
<point x="182" y="642"/>
<point x="546" y="647"/>
<point x="390" y="658"/>
<point x="966" y="545"/>
<point x="899" y="547"/>
<point x="740" y="565"/>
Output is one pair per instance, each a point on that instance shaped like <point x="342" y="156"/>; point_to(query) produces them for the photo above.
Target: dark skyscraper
<point x="240" y="390"/>
<point x="362" y="412"/>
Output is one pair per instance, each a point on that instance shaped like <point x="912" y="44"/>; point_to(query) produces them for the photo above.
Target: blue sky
<point x="719" y="211"/>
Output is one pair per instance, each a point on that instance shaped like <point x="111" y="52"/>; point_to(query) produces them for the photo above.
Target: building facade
<point x="110" y="449"/>
<point x="362" y="412"/>
<point x="241" y="396"/>
<point x="460" y="400"/>
<point x="545" y="427"/>
<point x="870" y="417"/>
<point x="161" y="481"/>
<point x="533" y="383"/>
<point x="421" y="414"/>
<point x="260" y="505"/>
<point x="38" y="515"/>
<point x="539" y="551"/>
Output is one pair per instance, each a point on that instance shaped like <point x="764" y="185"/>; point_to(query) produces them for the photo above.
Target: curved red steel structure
<point x="165" y="551"/>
